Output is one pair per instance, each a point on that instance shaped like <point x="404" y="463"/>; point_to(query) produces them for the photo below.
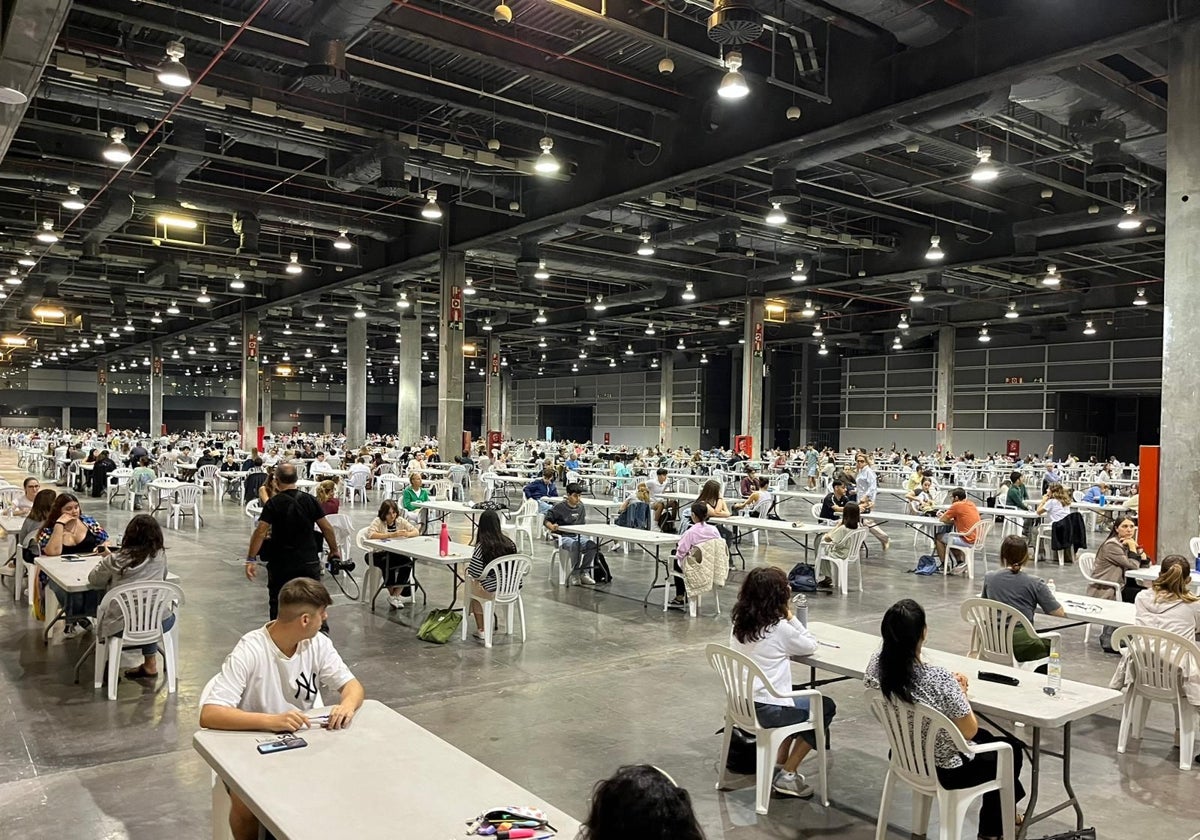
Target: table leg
<point x="1066" y="776"/>
<point x="1035" y="772"/>
<point x="654" y="585"/>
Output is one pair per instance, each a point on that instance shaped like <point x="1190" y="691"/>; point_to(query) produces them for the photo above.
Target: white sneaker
<point x="395" y="602"/>
<point x="587" y="580"/>
<point x="793" y="786"/>
<point x="70" y="631"/>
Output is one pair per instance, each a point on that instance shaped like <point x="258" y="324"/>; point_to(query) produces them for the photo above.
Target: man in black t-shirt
<point x="833" y="503"/>
<point x="288" y="517"/>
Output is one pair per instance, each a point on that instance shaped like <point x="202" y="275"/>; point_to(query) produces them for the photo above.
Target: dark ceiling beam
<point x="422" y="25"/>
<point x="29" y="29"/>
<point x="836" y="17"/>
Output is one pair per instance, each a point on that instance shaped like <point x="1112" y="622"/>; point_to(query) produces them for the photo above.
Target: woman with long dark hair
<point x="140" y="557"/>
<point x="766" y="630"/>
<point x="1118" y="553"/>
<point x="1024" y="593"/>
<point x="896" y="669"/>
<point x="490" y="543"/>
<point x="67" y="530"/>
<point x="640" y="802"/>
<point x="839" y="540"/>
<point x="389" y="524"/>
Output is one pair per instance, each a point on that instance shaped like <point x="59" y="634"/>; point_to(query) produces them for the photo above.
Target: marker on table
<point x="829" y="644"/>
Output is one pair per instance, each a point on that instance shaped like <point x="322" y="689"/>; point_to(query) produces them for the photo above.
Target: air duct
<point x="163" y="276"/>
<point x="734" y="22"/>
<point x="914" y="24"/>
<point x="331" y="25"/>
<point x="727" y="245"/>
<point x="326" y="71"/>
<point x="697" y="230"/>
<point x="117" y="211"/>
<point x="247" y="227"/>
<point x="1090" y="128"/>
<point x="784" y="189"/>
<point x="384" y="163"/>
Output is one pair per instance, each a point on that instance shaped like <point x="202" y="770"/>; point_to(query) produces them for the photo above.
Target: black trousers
<point x="982" y="769"/>
<point x="398" y="569"/>
<point x="279" y="572"/>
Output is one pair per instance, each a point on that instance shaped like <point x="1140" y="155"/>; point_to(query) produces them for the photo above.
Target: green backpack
<point x="439" y="626"/>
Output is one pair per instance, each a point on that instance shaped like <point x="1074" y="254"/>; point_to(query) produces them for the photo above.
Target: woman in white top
<point x="1169" y="603"/>
<point x="389" y="524"/>
<point x="866" y="486"/>
<point x="766" y="630"/>
<point x="838" y="541"/>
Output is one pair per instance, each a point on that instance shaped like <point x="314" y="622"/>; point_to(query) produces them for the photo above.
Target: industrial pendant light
<point x="935" y="251"/>
<point x="342" y="243"/>
<point x="116" y="151"/>
<point x="800" y="273"/>
<point x="541" y="272"/>
<point x="776" y="216"/>
<point x="1131" y="220"/>
<point x="733" y="83"/>
<point x="645" y="249"/>
<point x="47" y="235"/>
<point x="431" y="210"/>
<point x="293" y="266"/>
<point x="1012" y="310"/>
<point x="172" y="73"/>
<point x="985" y="171"/>
<point x="1052" y="279"/>
<point x="546" y="163"/>
<point x="73" y="201"/>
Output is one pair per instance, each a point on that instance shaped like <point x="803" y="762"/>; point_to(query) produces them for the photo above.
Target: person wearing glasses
<point x="31" y="487"/>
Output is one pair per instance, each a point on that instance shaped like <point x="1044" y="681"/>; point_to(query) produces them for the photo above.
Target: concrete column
<point x="266" y="402"/>
<point x="156" y="389"/>
<point x="66" y="418"/>
<point x="250" y="382"/>
<point x="666" y="400"/>
<point x="408" y="382"/>
<point x="102" y="396"/>
<point x="207" y="422"/>
<point x="327" y="424"/>
<point x="450" y="354"/>
<point x="1179" y="481"/>
<point x="356" y="383"/>
<point x="735" y="394"/>
<point x="944" y="411"/>
<point x="752" y="373"/>
<point x="506" y="402"/>
<point x="491" y="391"/>
<point x="804" y="410"/>
<point x="768" y="409"/>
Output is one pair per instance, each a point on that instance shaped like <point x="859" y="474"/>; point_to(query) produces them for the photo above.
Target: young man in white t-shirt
<point x="271" y="679"/>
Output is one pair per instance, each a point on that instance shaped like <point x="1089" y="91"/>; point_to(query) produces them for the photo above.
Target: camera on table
<point x="336" y="565"/>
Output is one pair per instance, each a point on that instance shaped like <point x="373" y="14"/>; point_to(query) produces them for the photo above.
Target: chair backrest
<point x="816" y="511"/>
<point x="10" y="494"/>
<point x="912" y="731"/>
<point x="510" y="571"/>
<point x="992" y="625"/>
<point x="187" y="494"/>
<point x="1086" y="563"/>
<point x="860" y="539"/>
<point x="343" y="529"/>
<point x="360" y="540"/>
<point x="253" y="509"/>
<point x="529" y="506"/>
<point x="1077" y="495"/>
<point x="207" y="473"/>
<point x="441" y="488"/>
<point x="740" y="676"/>
<point x="143" y="605"/>
<point x="980" y="529"/>
<point x="1194" y="546"/>
<point x="1160" y="659"/>
<point x="357" y="480"/>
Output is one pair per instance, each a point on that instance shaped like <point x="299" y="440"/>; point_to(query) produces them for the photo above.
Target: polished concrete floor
<point x="601" y="681"/>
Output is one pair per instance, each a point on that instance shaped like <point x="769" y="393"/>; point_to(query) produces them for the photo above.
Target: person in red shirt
<point x="961" y="516"/>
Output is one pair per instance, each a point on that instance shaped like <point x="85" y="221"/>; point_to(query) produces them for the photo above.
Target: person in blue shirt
<point x="541" y="489"/>
<point x="572" y="463"/>
<point x="1096" y="494"/>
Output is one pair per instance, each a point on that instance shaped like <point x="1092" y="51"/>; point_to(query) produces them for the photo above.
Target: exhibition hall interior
<point x="519" y="417"/>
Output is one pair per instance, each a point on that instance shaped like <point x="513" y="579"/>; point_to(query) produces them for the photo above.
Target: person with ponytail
<point x="1169" y="603"/>
<point x="1024" y="593"/>
<point x="896" y="670"/>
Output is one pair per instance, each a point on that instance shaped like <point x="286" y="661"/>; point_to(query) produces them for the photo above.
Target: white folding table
<point x="643" y="539"/>
<point x="422" y="550"/>
<point x="846" y="652"/>
<point x="1150" y="574"/>
<point x="414" y="778"/>
<point x="605" y="506"/>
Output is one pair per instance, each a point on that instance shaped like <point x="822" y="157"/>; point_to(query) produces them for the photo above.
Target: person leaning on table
<point x="1024" y="593"/>
<point x="896" y="669"/>
<point x="1118" y="554"/>
<point x="272" y="677"/>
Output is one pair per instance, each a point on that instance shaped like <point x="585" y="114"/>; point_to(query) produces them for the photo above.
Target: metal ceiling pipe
<point x="913" y="24"/>
<point x="389" y="168"/>
<point x="722" y="224"/>
<point x="117" y="211"/>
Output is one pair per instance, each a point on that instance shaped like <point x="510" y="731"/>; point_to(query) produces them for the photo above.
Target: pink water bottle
<point x="444" y="541"/>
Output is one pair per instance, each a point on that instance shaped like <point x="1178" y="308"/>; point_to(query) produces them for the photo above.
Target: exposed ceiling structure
<point x="183" y="163"/>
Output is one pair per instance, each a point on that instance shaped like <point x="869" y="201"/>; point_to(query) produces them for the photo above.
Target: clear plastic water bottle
<point x="1054" y="673"/>
<point x="1050" y="585"/>
<point x="800" y="607"/>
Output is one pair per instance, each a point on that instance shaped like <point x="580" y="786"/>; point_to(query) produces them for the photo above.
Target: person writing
<point x="490" y="543"/>
<point x="288" y="517"/>
<point x="700" y="531"/>
<point x="961" y="516"/>
<point x="272" y="677"/>
<point x="896" y="670"/>
<point x="389" y="524"/>
<point x="581" y="549"/>
<point x="1024" y="593"/>
<point x="766" y="631"/>
<point x="921" y="499"/>
<point x="413" y="497"/>
<point x="540" y="490"/>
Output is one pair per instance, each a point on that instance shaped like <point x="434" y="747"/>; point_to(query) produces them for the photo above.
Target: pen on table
<point x="830" y="644"/>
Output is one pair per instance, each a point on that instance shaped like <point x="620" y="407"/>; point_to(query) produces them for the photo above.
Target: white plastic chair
<point x="912" y="731"/>
<point x="355" y="486"/>
<point x="694" y="603"/>
<point x="1086" y="563"/>
<point x="1045" y="535"/>
<point x="741" y="677"/>
<point x="118" y="483"/>
<point x="253" y="511"/>
<point x="761" y="507"/>
<point x="372" y="574"/>
<point x="1194" y="547"/>
<point x="841" y="566"/>
<point x="143" y="605"/>
<point x="390" y="485"/>
<point x="1160" y="661"/>
<point x="343" y="532"/>
<point x="510" y="571"/>
<point x="440" y="489"/>
<point x="185" y="501"/>
<point x="208" y="478"/>
<point x="816" y="514"/>
<point x="980" y="529"/>
<point x="524" y="524"/>
<point x="992" y="627"/>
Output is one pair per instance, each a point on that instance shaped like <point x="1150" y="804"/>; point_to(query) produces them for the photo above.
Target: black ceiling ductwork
<point x="117" y="211"/>
<point x="1026" y="233"/>
<point x="696" y="230"/>
<point x="727" y="245"/>
<point x="332" y="24"/>
<point x="1104" y="136"/>
<point x="734" y="22"/>
<point x="120" y="303"/>
<point x="914" y="24"/>
<point x="163" y="276"/>
<point x="327" y="71"/>
<point x="784" y="189"/>
<point x="389" y="167"/>
<point x="247" y="227"/>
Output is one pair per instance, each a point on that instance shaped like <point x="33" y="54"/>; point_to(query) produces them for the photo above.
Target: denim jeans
<point x="152" y="648"/>
<point x="582" y="551"/>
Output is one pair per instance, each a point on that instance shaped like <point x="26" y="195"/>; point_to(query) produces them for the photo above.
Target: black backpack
<point x="600" y="571"/>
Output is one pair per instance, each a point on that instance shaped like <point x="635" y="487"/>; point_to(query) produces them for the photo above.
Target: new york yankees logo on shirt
<point x="307" y="685"/>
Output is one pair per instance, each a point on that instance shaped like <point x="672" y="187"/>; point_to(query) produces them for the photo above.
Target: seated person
<point x="320" y="466"/>
<point x="897" y="670"/>
<point x="749" y="482"/>
<point x="264" y="684"/>
<point x="100" y="471"/>
<point x="760" y="499"/>
<point x="140" y="557"/>
<point x="921" y="499"/>
<point x="767" y="631"/>
<point x="140" y="481"/>
<point x="835" y="501"/>
<point x="635" y="510"/>
<point x="541" y="490"/>
<point x="839" y="541"/>
<point x="389" y="524"/>
<point x="1097" y="494"/>
<point x="699" y="531"/>
<point x="67" y="530"/>
<point x="32" y="487"/>
<point x="490" y="543"/>
<point x="961" y="516"/>
<point x="1011" y="586"/>
<point x="412" y="498"/>
<point x="580" y="549"/>
<point x="642" y="801"/>
<point x="360" y="470"/>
